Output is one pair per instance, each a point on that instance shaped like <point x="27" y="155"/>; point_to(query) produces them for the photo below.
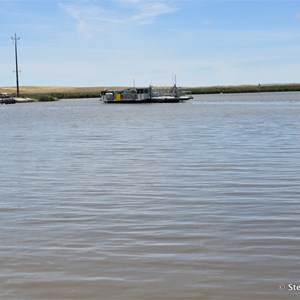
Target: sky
<point x="122" y="42"/>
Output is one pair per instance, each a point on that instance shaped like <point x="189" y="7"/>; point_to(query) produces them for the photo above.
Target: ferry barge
<point x="145" y="95"/>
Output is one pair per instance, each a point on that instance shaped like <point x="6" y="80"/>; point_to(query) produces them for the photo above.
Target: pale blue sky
<point x="112" y="42"/>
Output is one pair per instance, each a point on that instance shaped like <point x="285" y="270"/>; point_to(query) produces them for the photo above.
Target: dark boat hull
<point x="7" y="101"/>
<point x="150" y="100"/>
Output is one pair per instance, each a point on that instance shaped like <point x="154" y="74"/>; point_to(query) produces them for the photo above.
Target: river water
<point x="196" y="200"/>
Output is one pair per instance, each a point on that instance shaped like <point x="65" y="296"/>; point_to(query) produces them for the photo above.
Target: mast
<point x="16" y="58"/>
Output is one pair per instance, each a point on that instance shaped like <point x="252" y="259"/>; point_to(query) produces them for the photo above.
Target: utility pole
<point x="17" y="69"/>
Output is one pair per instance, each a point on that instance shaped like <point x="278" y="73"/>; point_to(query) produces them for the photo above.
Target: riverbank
<point x="260" y="88"/>
<point x="52" y="93"/>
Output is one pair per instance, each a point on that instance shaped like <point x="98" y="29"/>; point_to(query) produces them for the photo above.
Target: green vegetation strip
<point x="45" y="97"/>
<point x="247" y="88"/>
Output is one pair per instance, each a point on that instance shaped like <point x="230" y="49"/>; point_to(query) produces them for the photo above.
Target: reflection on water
<point x="198" y="200"/>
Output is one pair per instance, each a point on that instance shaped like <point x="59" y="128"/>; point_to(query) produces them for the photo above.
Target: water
<point x="196" y="200"/>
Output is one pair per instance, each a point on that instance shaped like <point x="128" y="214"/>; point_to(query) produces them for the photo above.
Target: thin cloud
<point x="90" y="17"/>
<point x="146" y="12"/>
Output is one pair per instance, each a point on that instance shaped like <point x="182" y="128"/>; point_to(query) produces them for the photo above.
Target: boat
<point x="6" y="99"/>
<point x="146" y="95"/>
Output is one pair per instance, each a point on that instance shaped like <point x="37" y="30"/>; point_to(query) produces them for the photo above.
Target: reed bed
<point x="247" y="88"/>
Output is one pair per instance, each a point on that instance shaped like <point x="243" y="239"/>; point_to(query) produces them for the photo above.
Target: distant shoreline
<point x="259" y="88"/>
<point x="50" y="93"/>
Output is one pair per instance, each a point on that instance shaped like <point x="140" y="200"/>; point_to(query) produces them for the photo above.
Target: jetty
<point x="23" y="100"/>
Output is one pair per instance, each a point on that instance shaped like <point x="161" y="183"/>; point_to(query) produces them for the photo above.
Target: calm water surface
<point x="198" y="200"/>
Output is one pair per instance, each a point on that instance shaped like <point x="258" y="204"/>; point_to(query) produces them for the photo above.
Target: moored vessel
<point x="146" y="95"/>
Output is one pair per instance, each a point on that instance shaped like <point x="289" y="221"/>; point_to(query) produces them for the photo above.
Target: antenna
<point x="15" y="38"/>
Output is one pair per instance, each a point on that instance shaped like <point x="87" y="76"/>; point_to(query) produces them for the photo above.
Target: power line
<point x="15" y="38"/>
